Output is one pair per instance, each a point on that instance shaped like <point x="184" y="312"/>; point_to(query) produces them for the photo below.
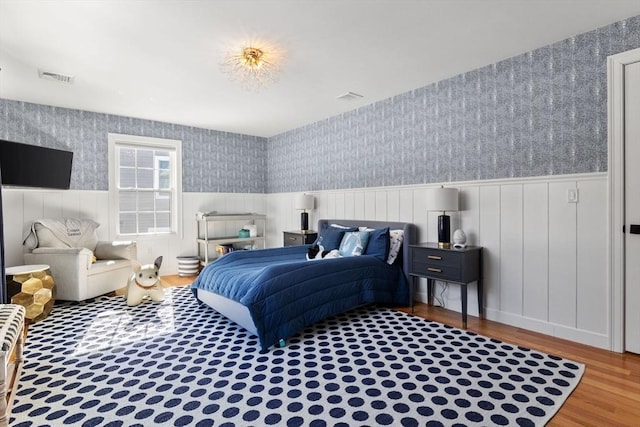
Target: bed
<point x="275" y="293"/>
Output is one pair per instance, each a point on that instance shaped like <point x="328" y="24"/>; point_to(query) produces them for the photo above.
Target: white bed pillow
<point x="396" y="238"/>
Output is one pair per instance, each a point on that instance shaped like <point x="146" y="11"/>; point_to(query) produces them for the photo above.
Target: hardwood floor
<point x="608" y="395"/>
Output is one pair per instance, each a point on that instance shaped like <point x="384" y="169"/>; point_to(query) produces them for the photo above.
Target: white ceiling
<point x="160" y="59"/>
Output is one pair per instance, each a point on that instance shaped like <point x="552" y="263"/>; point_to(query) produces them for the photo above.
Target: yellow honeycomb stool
<point x="34" y="288"/>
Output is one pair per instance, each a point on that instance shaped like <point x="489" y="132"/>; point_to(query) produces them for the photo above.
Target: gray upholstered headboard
<point x="410" y="234"/>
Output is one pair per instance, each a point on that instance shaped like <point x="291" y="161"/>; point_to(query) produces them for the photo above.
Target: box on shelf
<point x="224" y="249"/>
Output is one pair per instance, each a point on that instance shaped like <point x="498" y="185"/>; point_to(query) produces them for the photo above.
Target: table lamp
<point x="443" y="200"/>
<point x="304" y="202"/>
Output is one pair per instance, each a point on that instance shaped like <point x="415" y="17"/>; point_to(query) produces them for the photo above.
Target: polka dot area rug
<point x="178" y="363"/>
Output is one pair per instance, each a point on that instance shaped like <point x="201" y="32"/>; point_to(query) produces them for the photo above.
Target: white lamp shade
<point x="304" y="202"/>
<point x="442" y="199"/>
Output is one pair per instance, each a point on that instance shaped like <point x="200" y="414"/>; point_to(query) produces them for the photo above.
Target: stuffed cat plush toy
<point x="318" y="252"/>
<point x="144" y="281"/>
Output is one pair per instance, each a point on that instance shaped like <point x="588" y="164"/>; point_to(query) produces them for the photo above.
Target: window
<point x="144" y="184"/>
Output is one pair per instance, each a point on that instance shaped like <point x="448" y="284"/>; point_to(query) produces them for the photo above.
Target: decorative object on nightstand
<point x="459" y="239"/>
<point x="304" y="202"/>
<point x="459" y="266"/>
<point x="443" y="200"/>
<point x="296" y="238"/>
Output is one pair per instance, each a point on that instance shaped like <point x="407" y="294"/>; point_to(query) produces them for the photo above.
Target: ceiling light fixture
<point x="253" y="66"/>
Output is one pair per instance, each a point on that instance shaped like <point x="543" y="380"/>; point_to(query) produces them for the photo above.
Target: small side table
<point x="459" y="266"/>
<point x="33" y="287"/>
<point x="296" y="238"/>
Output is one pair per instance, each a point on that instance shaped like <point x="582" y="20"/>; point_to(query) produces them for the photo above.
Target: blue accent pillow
<point x="331" y="237"/>
<point x="354" y="243"/>
<point x="378" y="245"/>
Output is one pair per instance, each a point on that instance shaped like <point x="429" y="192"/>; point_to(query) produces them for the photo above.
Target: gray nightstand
<point x="295" y="238"/>
<point x="459" y="266"/>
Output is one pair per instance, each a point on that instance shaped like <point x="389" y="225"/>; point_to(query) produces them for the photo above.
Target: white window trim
<point x="176" y="208"/>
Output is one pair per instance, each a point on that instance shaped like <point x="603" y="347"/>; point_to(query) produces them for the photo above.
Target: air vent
<point x="62" y="78"/>
<point x="350" y="96"/>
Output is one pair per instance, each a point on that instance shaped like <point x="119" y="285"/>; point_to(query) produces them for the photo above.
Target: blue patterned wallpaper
<point x="536" y="114"/>
<point x="540" y="113"/>
<point x="212" y="161"/>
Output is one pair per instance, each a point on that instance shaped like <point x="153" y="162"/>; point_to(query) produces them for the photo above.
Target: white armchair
<point x="77" y="274"/>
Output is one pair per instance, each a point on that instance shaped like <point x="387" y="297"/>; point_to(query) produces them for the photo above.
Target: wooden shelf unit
<point x="205" y="240"/>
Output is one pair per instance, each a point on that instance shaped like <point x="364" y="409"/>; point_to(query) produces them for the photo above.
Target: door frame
<point x="615" y="77"/>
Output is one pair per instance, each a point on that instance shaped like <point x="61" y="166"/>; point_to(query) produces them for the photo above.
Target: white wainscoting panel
<point x="562" y="254"/>
<point x="535" y="269"/>
<point x="489" y="239"/>
<point x="544" y="258"/>
<point x="543" y="267"/>
<point x="393" y="205"/>
<point x="382" y="205"/>
<point x="14" y="233"/>
<point x="419" y="217"/>
<point x="22" y="206"/>
<point x="592" y="297"/>
<point x="511" y="248"/>
<point x="405" y="205"/>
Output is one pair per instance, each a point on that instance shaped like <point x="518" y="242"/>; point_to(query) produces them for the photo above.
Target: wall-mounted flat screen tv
<point x="27" y="165"/>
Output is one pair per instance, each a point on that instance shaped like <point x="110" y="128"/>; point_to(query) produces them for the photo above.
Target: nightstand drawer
<point x="436" y="257"/>
<point x="454" y="265"/>
<point x="295" y="238"/>
<point x="437" y="271"/>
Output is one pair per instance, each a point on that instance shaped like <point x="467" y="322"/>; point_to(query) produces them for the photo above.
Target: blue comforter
<point x="286" y="293"/>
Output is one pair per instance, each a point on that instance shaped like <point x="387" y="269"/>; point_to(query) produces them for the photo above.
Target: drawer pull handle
<point x="292" y="238"/>
<point x="434" y="270"/>
<point x="434" y="257"/>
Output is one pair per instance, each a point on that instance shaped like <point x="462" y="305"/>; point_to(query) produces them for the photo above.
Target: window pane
<point x="145" y="178"/>
<point x="164" y="155"/>
<point x="128" y="223"/>
<point x="163" y="222"/>
<point x="145" y="158"/>
<point x="163" y="201"/>
<point x="146" y="222"/>
<point x="127" y="156"/>
<point x="127" y="178"/>
<point x="164" y="179"/>
<point x="127" y="201"/>
<point x="145" y="202"/>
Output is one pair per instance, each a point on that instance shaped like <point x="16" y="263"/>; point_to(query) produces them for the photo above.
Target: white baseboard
<point x="554" y="330"/>
<point x="551" y="329"/>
